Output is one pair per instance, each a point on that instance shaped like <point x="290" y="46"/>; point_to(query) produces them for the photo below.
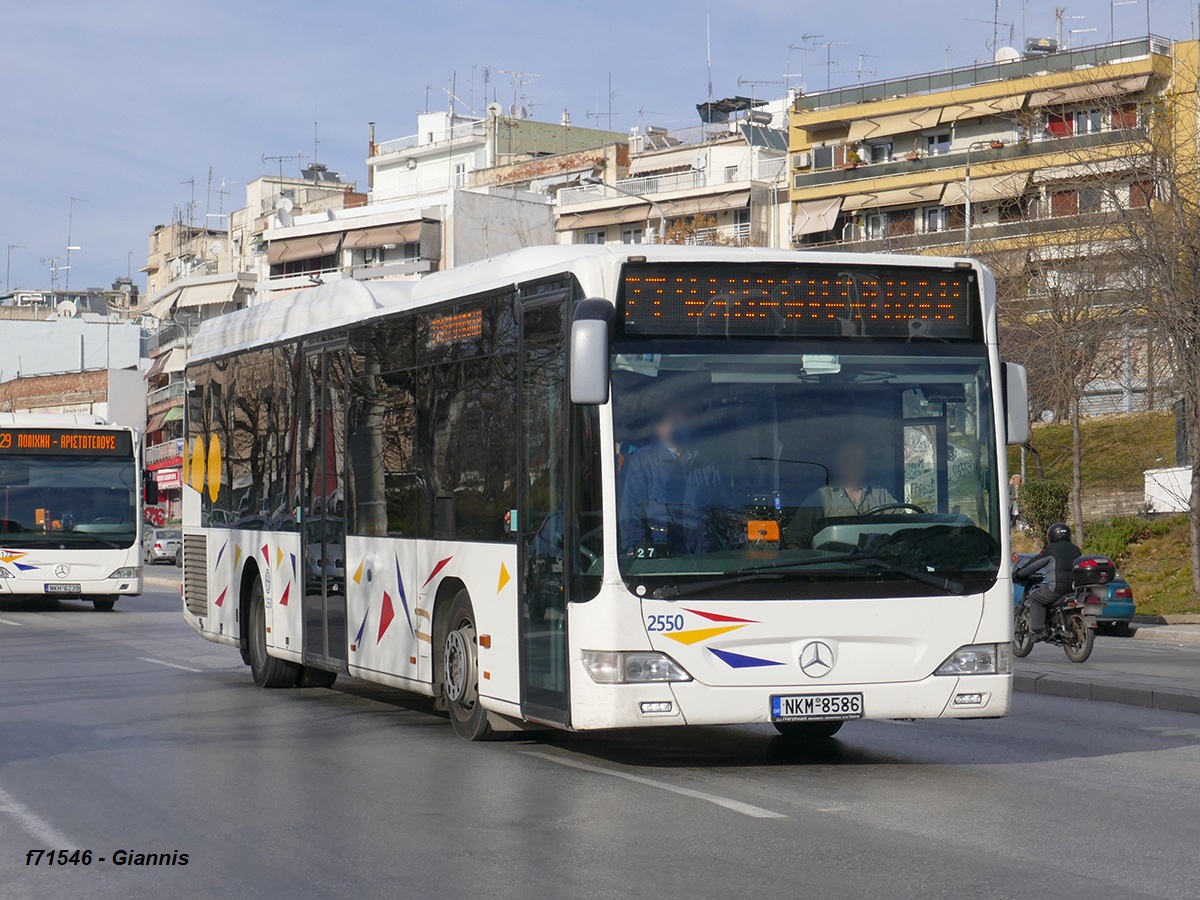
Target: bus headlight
<point x="978" y="659"/>
<point x="632" y="667"/>
<point x="4" y="573"/>
<point x="127" y="572"/>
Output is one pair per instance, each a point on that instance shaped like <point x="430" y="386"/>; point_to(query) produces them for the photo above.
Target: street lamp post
<point x="658" y="210"/>
<point x="975" y="145"/>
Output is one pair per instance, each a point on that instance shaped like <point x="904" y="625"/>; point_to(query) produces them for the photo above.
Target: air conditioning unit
<point x="802" y="160"/>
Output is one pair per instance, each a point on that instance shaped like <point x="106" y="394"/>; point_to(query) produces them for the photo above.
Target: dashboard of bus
<point x="817" y="463"/>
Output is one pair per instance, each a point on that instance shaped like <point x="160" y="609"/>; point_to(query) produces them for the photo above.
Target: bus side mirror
<point x="588" y="358"/>
<point x="1016" y="403"/>
<point x="150" y="488"/>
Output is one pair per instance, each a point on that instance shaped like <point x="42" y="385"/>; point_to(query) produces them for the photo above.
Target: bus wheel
<point x="310" y="678"/>
<point x="268" y="671"/>
<point x="809" y="731"/>
<point x="104" y="605"/>
<point x="460" y="672"/>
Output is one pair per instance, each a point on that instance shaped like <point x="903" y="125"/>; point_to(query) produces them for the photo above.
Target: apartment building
<point x="722" y="182"/>
<point x="1025" y="162"/>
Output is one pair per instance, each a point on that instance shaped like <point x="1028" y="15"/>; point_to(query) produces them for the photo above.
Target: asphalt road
<point x="126" y="731"/>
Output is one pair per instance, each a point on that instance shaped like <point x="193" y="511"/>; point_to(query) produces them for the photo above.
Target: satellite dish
<point x="495" y="110"/>
<point x="68" y="309"/>
<point x="1008" y="54"/>
<point x="177" y="267"/>
<point x="699" y="162"/>
<point x="217" y="248"/>
<point x="283" y="212"/>
<point x="410" y="163"/>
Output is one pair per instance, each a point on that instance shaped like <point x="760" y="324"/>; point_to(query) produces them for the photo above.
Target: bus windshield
<point x="853" y="464"/>
<point x="57" y="501"/>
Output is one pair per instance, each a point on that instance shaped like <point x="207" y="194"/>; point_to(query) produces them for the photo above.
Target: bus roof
<point x="54" y="420"/>
<point x="345" y="301"/>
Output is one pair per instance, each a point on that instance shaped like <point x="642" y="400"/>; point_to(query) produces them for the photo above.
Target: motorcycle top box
<point x="1093" y="570"/>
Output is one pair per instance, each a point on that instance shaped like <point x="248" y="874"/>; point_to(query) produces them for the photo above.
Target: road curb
<point x="1172" y="634"/>
<point x="1173" y="699"/>
<point x="160" y="581"/>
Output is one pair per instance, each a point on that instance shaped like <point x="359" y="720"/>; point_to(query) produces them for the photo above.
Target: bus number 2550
<point x="664" y="623"/>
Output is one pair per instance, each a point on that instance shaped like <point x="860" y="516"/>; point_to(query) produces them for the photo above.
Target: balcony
<point x="765" y="169"/>
<point x="958" y="159"/>
<point x="413" y="141"/>
<point x="165" y="455"/>
<point x="164" y="396"/>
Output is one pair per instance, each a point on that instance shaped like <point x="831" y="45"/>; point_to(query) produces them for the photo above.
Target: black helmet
<point x="1057" y="532"/>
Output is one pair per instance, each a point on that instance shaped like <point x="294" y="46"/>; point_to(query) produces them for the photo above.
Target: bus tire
<point x="809" y="731"/>
<point x="316" y="678"/>
<point x="268" y="671"/>
<point x="104" y="605"/>
<point x="458" y="666"/>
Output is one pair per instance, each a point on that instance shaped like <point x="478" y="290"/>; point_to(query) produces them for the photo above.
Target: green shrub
<point x="1042" y="504"/>
<point x="1112" y="538"/>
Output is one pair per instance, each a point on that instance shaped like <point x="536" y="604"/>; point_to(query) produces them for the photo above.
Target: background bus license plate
<point x="811" y="707"/>
<point x="65" y="588"/>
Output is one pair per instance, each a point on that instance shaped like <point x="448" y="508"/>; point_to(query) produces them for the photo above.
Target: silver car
<point x="162" y="545"/>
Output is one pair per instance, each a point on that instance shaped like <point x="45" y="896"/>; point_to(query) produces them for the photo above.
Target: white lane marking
<point x="33" y="824"/>
<point x="160" y="662"/>
<point x="11" y="622"/>
<point x="746" y="809"/>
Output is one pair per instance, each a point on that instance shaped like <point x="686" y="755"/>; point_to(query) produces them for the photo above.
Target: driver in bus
<point x="848" y="494"/>
<point x="671" y="500"/>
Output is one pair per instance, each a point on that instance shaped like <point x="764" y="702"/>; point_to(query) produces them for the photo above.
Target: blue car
<point x="1118" y="609"/>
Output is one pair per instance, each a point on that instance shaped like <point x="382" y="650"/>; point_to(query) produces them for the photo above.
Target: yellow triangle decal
<point x="505" y="578"/>
<point x="278" y="556"/>
<point x="237" y="554"/>
<point x="700" y="634"/>
<point x="358" y="572"/>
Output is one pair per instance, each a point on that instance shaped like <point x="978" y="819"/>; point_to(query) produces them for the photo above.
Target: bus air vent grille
<point x="195" y="574"/>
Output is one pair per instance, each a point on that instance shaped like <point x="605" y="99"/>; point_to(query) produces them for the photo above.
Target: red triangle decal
<point x="221" y="598"/>
<point x="385" y="615"/>
<point x="717" y="617"/>
<point x="441" y="565"/>
<point x="287" y="590"/>
<point x="266" y="555"/>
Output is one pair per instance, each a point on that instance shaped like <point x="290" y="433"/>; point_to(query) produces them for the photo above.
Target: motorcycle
<point x="1071" y="619"/>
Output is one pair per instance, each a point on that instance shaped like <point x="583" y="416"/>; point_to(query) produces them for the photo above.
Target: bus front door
<point x="542" y="513"/>
<point x="322" y="522"/>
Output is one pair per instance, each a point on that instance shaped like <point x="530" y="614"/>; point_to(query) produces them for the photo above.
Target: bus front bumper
<point x="693" y="703"/>
<point x="87" y="588"/>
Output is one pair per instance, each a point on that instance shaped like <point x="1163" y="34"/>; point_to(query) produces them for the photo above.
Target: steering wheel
<point x="912" y="507"/>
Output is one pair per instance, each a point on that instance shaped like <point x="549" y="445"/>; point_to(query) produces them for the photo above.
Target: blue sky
<point x="117" y="102"/>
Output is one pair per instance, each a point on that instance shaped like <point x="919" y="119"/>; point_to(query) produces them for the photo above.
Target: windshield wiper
<point x="758" y="573"/>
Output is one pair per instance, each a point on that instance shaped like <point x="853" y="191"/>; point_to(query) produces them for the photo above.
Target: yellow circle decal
<point x="187" y="458"/>
<point x="197" y="467"/>
<point x="214" y="468"/>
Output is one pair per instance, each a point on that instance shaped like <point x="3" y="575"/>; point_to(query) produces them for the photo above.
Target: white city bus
<point x="70" y="491"/>
<point x="584" y="487"/>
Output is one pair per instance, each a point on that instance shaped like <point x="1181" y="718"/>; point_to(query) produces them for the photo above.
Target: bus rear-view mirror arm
<point x="588" y="361"/>
<point x="1016" y="403"/>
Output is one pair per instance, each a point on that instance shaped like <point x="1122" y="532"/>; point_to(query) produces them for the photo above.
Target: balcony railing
<point x="949" y="79"/>
<point x="160" y="454"/>
<point x="412" y="141"/>
<point x="957" y="159"/>
<point x="767" y="169"/>
<point x="159" y="396"/>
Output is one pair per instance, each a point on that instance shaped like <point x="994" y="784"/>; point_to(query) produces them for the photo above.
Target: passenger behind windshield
<point x="672" y="501"/>
<point x="848" y="494"/>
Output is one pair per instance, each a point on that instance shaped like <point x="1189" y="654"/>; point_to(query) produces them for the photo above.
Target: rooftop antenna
<point x="950" y="50"/>
<point x="708" y="52"/>
<point x="191" y="216"/>
<point x="219" y="215"/>
<point x="70" y="224"/>
<point x="864" y="56"/>
<point x="829" y="45"/>
<point x="316" y="142"/>
<point x="804" y="39"/>
<point x="519" y="80"/>
<point x="281" y="159"/>
<point x="1075" y="31"/>
<point x="598" y="115"/>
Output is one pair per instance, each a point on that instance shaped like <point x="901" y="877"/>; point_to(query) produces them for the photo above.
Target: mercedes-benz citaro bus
<point x="70" y="496"/>
<point x="612" y="486"/>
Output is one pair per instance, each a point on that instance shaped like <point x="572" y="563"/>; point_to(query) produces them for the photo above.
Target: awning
<point x="929" y="193"/>
<point x="882" y="126"/>
<point x="156" y="367"/>
<point x="156" y="422"/>
<point x="216" y="294"/>
<point x="1083" y="171"/>
<point x="1079" y="93"/>
<point x="173" y="360"/>
<point x="302" y="247"/>
<point x="984" y="190"/>
<point x="621" y="215"/>
<point x="407" y="233"/>
<point x="174" y="414"/>
<point x="698" y="206"/>
<point x="816" y="216"/>
<point x="978" y="109"/>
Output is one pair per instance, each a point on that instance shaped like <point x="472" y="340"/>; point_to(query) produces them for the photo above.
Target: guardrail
<point x="170" y="449"/>
<point x="763" y="170"/>
<point x="164" y="394"/>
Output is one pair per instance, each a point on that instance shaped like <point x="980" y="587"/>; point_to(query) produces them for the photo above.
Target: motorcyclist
<point x="1056" y="561"/>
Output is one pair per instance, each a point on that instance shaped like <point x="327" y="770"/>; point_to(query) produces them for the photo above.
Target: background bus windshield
<point x="77" y="501"/>
<point x="846" y="465"/>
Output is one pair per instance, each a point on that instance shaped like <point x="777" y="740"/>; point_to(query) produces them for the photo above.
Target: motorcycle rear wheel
<point x="1078" y="641"/>
<point x="1022" y="636"/>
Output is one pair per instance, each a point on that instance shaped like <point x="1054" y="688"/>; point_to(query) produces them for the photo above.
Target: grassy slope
<point x="1158" y="570"/>
<point x="1116" y="450"/>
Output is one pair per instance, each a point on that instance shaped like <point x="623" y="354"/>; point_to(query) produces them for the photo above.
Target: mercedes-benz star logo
<point x="62" y="571"/>
<point x="816" y="659"/>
